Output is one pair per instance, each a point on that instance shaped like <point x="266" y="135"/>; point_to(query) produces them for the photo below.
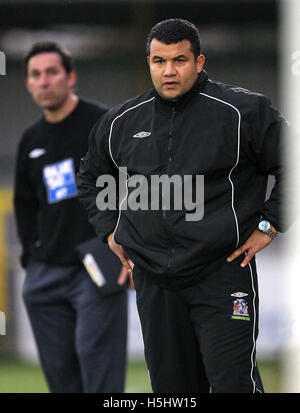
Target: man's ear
<point x="72" y="79"/>
<point x="200" y="62"/>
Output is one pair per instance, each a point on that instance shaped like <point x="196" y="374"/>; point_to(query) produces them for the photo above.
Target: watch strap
<point x="271" y="233"/>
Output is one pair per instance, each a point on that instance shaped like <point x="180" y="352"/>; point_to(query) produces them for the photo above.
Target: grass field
<point x="18" y="377"/>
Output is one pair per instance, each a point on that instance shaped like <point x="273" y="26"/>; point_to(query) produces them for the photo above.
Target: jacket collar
<point x="184" y="99"/>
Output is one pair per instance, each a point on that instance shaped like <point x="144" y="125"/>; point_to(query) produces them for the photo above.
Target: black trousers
<point x="202" y="338"/>
<point x="80" y="335"/>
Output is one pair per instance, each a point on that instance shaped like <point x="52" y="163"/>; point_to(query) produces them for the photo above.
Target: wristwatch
<point x="265" y="227"/>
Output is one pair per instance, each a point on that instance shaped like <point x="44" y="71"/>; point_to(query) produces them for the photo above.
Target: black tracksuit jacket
<point x="228" y="134"/>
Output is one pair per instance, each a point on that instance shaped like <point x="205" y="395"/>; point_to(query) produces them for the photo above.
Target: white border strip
<point x="112" y="158"/>
<point x="236" y="163"/>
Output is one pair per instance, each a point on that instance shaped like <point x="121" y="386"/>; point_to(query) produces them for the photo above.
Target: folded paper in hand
<point x="92" y="268"/>
<point x="102" y="265"/>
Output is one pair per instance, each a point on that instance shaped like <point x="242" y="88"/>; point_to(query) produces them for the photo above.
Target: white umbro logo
<point x="238" y="294"/>
<point x="142" y="134"/>
<point x="36" y="153"/>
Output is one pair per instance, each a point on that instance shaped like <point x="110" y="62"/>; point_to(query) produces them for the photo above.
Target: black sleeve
<point x="270" y="146"/>
<point x="97" y="163"/>
<point x="25" y="204"/>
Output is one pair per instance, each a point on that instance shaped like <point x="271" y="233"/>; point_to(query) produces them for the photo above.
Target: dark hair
<point x="172" y="31"/>
<point x="49" y="47"/>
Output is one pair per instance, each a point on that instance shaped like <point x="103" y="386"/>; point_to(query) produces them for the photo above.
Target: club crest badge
<point x="240" y="310"/>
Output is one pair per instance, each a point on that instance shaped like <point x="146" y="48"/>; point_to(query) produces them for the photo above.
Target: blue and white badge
<point x="60" y="180"/>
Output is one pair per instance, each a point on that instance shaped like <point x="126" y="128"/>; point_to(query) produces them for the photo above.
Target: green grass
<point x="137" y="380"/>
<point x="18" y="377"/>
<point x="270" y="375"/>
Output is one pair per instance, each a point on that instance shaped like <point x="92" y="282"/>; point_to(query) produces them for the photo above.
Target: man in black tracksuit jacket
<point x="195" y="279"/>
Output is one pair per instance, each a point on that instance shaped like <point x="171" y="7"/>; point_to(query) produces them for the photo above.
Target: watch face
<point x="264" y="225"/>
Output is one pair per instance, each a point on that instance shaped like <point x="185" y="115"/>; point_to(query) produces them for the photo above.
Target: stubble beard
<point x="54" y="106"/>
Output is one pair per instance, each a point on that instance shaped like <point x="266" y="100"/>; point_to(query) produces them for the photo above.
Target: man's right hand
<point x="127" y="264"/>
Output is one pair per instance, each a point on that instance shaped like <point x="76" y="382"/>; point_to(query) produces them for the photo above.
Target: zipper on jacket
<point x="171" y="137"/>
<point x="170" y="142"/>
<point x="170" y="257"/>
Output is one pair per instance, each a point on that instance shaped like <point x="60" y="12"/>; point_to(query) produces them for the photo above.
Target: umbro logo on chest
<point x="36" y="153"/>
<point x="142" y="134"/>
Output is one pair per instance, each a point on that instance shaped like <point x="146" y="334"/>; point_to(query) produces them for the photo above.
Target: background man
<point x="80" y="335"/>
<point x="196" y="281"/>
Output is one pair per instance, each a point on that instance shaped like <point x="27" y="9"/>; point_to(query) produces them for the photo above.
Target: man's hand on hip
<point x="256" y="242"/>
<point x="126" y="262"/>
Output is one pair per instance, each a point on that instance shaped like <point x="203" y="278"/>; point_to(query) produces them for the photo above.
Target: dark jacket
<point x="228" y="135"/>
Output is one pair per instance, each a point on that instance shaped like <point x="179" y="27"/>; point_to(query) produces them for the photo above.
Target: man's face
<point x="47" y="80"/>
<point x="173" y="68"/>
